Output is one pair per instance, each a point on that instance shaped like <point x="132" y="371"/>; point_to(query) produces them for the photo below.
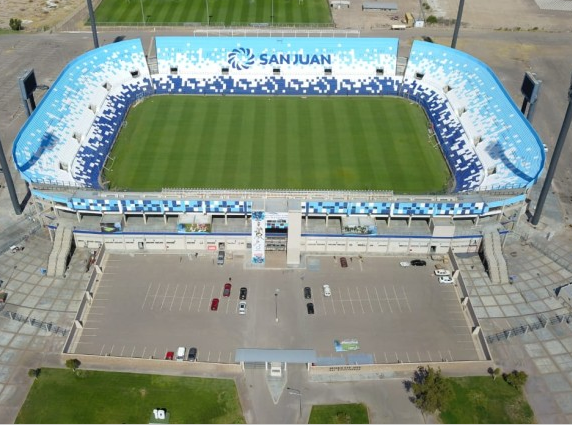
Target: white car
<point x="327" y="290"/>
<point x="405" y="264"/>
<point x="447" y="280"/>
<point x="442" y="273"/>
<point x="242" y="307"/>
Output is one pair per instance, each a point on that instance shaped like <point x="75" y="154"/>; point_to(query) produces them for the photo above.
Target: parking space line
<point x="385" y="354"/>
<point x="229" y="357"/>
<point x="387" y="297"/>
<point x="396" y="357"/>
<point x="201" y="301"/>
<point x="154" y="353"/>
<point x="351" y="301"/>
<point x="122" y="351"/>
<point x="378" y="301"/>
<point x="406" y="299"/>
<point x="209" y="356"/>
<point x="165" y="296"/>
<point x="143" y="354"/>
<point x="450" y="355"/>
<point x="219" y="356"/>
<point x="101" y="351"/>
<point x="183" y="297"/>
<point x="418" y="356"/>
<point x="440" y="355"/>
<point x="408" y="360"/>
<point x="396" y="298"/>
<point x="369" y="299"/>
<point x="174" y="296"/>
<point x="133" y="351"/>
<point x="430" y="358"/>
<point x="146" y="295"/>
<point x="342" y="303"/>
<point x="332" y="302"/>
<point x="324" y="305"/>
<point x="192" y="297"/>
<point x="359" y="298"/>
<point x="155" y="297"/>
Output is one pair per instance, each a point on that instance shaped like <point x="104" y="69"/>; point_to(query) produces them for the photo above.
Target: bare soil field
<point x="37" y="14"/>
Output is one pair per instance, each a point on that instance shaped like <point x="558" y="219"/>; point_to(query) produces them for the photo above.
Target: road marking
<point x="154" y="353"/>
<point x="174" y="296"/>
<point x="101" y="352"/>
<point x="369" y="299"/>
<point x="385" y="354"/>
<point x="387" y="297"/>
<point x="450" y="355"/>
<point x="407" y="354"/>
<point x="341" y="302"/>
<point x="122" y="351"/>
<point x="209" y="356"/>
<point x="143" y="354"/>
<point x="200" y="303"/>
<point x="406" y="299"/>
<point x="165" y="297"/>
<point x="374" y="358"/>
<point x="378" y="301"/>
<point x="192" y="297"/>
<point x="360" y="303"/>
<point x="155" y="297"/>
<point x="418" y="356"/>
<point x="324" y="305"/>
<point x="397" y="299"/>
<point x="229" y="357"/>
<point x="133" y="351"/>
<point x="147" y="294"/>
<point x="219" y="356"/>
<point x="430" y="358"/>
<point x="183" y="297"/>
<point x="396" y="357"/>
<point x="351" y="301"/>
<point x="440" y="355"/>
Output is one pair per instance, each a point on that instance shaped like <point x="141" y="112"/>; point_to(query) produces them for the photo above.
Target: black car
<point x="307" y="292"/>
<point x="343" y="262"/>
<point x="310" y="308"/>
<point x="192" y="354"/>
<point x="243" y="292"/>
<point x="418" y="263"/>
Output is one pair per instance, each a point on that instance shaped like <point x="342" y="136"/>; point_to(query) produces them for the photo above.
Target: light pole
<point x="554" y="161"/>
<point x="297" y="393"/>
<point x="142" y="12"/>
<point x="276" y="303"/>
<point x="458" y="24"/>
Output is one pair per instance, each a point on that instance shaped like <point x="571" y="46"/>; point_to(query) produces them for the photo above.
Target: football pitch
<point x="257" y="142"/>
<point x="213" y="12"/>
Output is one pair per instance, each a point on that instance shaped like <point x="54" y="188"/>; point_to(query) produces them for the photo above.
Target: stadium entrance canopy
<point x="253" y="356"/>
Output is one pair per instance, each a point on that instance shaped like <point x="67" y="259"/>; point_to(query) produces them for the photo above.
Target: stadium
<point x="284" y="186"/>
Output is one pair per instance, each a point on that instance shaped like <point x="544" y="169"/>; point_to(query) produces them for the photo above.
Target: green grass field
<point x="60" y="396"/>
<point x="356" y="143"/>
<point x="339" y="414"/>
<point x="482" y="400"/>
<point x="220" y="11"/>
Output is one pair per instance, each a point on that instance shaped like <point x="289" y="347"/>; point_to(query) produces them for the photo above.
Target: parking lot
<point x="146" y="305"/>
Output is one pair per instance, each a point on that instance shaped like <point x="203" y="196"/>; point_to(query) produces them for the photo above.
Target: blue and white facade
<point x="487" y="142"/>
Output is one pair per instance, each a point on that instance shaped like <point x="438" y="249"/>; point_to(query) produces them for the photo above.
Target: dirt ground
<point x="37" y="14"/>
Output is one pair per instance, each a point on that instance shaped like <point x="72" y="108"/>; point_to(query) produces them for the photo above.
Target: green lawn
<point x="252" y="142"/>
<point x="59" y="396"/>
<point x="220" y="11"/>
<point x="339" y="414"/>
<point x="480" y="400"/>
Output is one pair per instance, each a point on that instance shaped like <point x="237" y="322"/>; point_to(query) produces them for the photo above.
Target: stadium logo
<point x="241" y="58"/>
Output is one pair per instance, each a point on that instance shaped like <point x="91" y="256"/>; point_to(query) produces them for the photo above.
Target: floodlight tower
<point x="5" y="169"/>
<point x="458" y="24"/>
<point x="555" y="158"/>
<point x="92" y="22"/>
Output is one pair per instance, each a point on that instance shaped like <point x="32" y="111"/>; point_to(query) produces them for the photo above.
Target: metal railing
<point x="47" y="326"/>
<point x="542" y="323"/>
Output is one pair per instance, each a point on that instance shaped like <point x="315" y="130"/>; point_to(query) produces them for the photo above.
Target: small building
<point x="565" y="292"/>
<point x="370" y="5"/>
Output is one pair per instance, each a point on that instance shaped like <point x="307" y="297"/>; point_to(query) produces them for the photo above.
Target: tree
<point x="34" y="372"/>
<point x="494" y="372"/>
<point x="516" y="379"/>
<point x="73" y="364"/>
<point x="15" y="24"/>
<point x="432" y="391"/>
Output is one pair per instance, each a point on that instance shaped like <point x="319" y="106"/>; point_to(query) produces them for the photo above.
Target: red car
<point x="170" y="355"/>
<point x="214" y="304"/>
<point x="226" y="291"/>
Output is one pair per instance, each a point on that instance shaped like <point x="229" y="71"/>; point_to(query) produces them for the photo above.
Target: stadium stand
<point x="509" y="149"/>
<point x="61" y="125"/>
<point x="487" y="142"/>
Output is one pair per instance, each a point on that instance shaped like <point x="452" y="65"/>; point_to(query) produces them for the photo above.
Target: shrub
<point x="16" y="24"/>
<point x="431" y="19"/>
